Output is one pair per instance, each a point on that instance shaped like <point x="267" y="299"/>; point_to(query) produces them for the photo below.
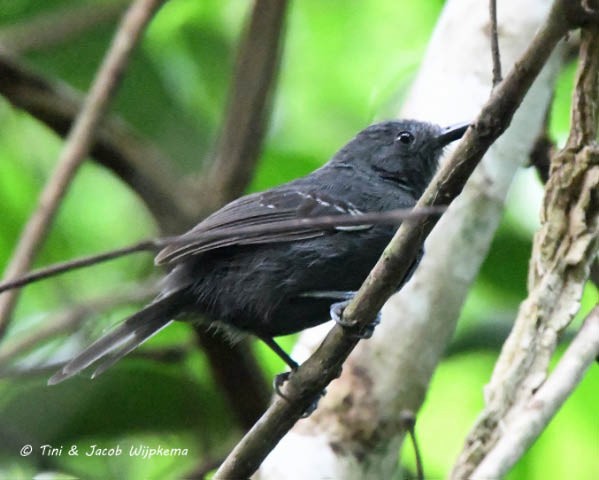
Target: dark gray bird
<point x="281" y="282"/>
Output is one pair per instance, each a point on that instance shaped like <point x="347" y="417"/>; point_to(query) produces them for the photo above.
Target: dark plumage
<point x="277" y="283"/>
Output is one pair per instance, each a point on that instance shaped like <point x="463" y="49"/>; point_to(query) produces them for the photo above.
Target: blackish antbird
<point x="276" y="283"/>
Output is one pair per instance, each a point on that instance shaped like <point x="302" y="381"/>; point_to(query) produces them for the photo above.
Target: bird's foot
<point x="278" y="382"/>
<point x="365" y="332"/>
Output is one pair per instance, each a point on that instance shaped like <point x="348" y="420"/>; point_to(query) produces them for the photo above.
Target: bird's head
<point x="405" y="152"/>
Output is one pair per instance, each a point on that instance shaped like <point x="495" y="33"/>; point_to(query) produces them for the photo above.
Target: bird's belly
<point x="265" y="294"/>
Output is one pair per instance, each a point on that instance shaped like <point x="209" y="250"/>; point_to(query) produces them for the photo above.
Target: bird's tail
<point x="122" y="339"/>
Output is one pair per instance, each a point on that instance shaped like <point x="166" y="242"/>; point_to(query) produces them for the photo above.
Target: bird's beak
<point x="449" y="134"/>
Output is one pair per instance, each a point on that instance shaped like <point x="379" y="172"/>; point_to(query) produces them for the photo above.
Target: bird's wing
<point x="272" y="209"/>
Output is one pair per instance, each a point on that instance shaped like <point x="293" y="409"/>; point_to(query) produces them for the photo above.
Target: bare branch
<point x="46" y="30"/>
<point x="495" y="55"/>
<point x="531" y="418"/>
<point x="152" y="245"/>
<point x="70" y="265"/>
<point x="305" y="385"/>
<point x="408" y="421"/>
<point x="77" y="144"/>
<point x="249" y="103"/>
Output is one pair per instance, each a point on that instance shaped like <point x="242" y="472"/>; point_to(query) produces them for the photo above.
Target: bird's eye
<point x="405" y="137"/>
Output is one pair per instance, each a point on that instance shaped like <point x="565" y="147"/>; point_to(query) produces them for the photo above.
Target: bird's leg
<point x="274" y="346"/>
<point x="336" y="312"/>
<point x="281" y="378"/>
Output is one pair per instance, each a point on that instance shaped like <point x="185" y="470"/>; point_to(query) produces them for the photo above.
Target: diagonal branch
<point x="305" y="385"/>
<point x="533" y="417"/>
<point x="77" y="144"/>
<point x="46" y="30"/>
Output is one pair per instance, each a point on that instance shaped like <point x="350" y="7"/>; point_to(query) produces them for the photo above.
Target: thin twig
<point x="408" y="419"/>
<point x="48" y="29"/>
<point x="495" y="55"/>
<point x="152" y="245"/>
<point x="77" y="145"/>
<point x="70" y="265"/>
<point x="533" y="417"/>
<point x="306" y="383"/>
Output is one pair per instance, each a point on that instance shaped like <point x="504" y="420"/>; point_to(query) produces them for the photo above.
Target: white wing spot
<point x="353" y="228"/>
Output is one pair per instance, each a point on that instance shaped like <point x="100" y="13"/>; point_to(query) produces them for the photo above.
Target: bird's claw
<point x="278" y="382"/>
<point x="354" y="330"/>
<point x="314" y="405"/>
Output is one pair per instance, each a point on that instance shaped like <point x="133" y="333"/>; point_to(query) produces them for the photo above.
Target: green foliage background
<point x="346" y="64"/>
